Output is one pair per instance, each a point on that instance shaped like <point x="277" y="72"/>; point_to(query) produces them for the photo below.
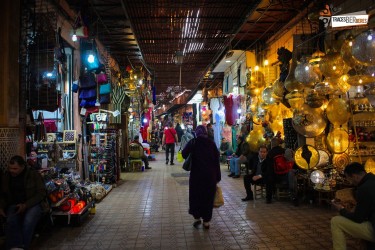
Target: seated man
<point x="359" y="224"/>
<point x="143" y="157"/>
<point x="241" y="156"/>
<point x="259" y="166"/>
<point x="22" y="191"/>
<point x="225" y="149"/>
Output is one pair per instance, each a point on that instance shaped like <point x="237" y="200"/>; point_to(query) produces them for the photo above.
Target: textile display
<point x="231" y="103"/>
<point x="227" y="133"/>
<point x="214" y="106"/>
<point x="219" y="118"/>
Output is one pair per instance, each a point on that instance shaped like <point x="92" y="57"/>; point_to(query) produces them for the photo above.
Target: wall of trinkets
<point x="317" y="95"/>
<point x="103" y="166"/>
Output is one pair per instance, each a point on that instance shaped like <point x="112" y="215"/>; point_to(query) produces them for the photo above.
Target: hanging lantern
<point x="346" y="53"/>
<point x="254" y="92"/>
<point x="314" y="100"/>
<point x="278" y="89"/>
<point x="337" y="111"/>
<point x="338" y="140"/>
<point x="295" y="99"/>
<point x="325" y="87"/>
<point x="255" y="138"/>
<point x="343" y="84"/>
<point x="257" y="79"/>
<point x="317" y="177"/>
<point x="291" y="82"/>
<point x="332" y="65"/>
<point x="267" y="96"/>
<point x="309" y="122"/>
<point x="363" y="48"/>
<point x="360" y="77"/>
<point x="304" y="73"/>
<point x="315" y="60"/>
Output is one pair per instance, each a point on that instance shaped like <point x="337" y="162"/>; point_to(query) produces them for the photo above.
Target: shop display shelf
<point x="57" y="204"/>
<point x="72" y="218"/>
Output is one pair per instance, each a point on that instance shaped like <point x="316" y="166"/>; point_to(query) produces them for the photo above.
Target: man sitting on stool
<point x="144" y="157"/>
<point x="360" y="223"/>
<point x="22" y="190"/>
<point x="259" y="166"/>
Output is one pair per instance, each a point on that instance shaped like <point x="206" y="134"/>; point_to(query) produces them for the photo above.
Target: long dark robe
<point x="205" y="174"/>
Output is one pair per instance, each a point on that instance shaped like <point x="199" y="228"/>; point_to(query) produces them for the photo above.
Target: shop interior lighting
<point x="239" y="111"/>
<point x="74" y="37"/>
<point x="145" y="120"/>
<point x="256" y="68"/>
<point x="90" y="57"/>
<point x="266" y="62"/>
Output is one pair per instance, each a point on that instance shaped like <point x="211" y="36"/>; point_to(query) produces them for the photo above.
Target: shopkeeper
<point x="360" y="223"/>
<point x="22" y="191"/>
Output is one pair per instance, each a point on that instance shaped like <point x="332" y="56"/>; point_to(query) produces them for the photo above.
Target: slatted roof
<point x="148" y="33"/>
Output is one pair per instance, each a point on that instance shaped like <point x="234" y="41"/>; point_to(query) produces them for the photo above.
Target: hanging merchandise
<point x="363" y="48"/>
<point x="332" y="65"/>
<point x="255" y="138"/>
<point x="232" y="104"/>
<point x="337" y="111"/>
<point x="338" y="140"/>
<point x="309" y="122"/>
<point x="305" y="74"/>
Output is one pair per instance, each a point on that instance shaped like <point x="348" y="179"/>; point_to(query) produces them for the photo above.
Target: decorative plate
<point x="340" y="161"/>
<point x="306" y="157"/>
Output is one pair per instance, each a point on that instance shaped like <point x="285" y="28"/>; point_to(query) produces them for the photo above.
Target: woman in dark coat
<point x="205" y="174"/>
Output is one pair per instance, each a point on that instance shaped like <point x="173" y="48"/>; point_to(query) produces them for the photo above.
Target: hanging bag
<point x="105" y="89"/>
<point x="188" y="161"/>
<point x="87" y="81"/>
<point x="219" y="198"/>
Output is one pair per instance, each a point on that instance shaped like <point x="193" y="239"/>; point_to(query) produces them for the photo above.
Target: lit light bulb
<point x="74" y="38"/>
<point x="369" y="37"/>
<point x="334" y="67"/>
<point x="91" y="58"/>
<point x="266" y="62"/>
<point x="360" y="81"/>
<point x="144" y="120"/>
<point x="350" y="43"/>
<point x="256" y="68"/>
<point x="140" y="82"/>
<point x="307" y="68"/>
<point x="239" y="111"/>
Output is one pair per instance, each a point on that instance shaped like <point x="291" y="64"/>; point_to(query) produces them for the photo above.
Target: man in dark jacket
<point x="359" y="224"/>
<point x="22" y="191"/>
<point x="259" y="168"/>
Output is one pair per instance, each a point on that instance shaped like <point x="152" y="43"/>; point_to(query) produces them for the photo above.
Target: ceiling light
<point x="227" y="61"/>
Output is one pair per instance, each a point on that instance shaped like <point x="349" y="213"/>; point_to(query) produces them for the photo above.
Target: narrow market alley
<point x="148" y="210"/>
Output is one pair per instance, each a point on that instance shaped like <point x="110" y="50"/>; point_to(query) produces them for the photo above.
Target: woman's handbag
<point x="187" y="163"/>
<point x="219" y="199"/>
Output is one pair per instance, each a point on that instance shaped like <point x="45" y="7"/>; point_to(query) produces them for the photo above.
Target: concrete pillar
<point x="11" y="137"/>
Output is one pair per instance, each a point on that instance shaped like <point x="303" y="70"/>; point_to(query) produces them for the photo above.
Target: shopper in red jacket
<point x="169" y="140"/>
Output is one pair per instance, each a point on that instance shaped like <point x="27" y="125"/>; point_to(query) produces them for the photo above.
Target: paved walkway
<point x="148" y="210"/>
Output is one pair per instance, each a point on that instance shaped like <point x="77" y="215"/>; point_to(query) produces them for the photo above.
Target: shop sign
<point x="349" y="20"/>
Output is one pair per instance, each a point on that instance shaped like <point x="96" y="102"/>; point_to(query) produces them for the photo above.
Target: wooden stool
<point x="259" y="191"/>
<point x="282" y="191"/>
<point x="136" y="165"/>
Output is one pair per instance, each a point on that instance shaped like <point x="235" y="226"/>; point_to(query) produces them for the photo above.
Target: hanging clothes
<point x="227" y="133"/>
<point x="214" y="106"/>
<point x="232" y="104"/>
<point x="234" y="138"/>
<point x="217" y="129"/>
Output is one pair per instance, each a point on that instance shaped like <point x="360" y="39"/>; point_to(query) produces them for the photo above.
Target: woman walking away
<point x="205" y="174"/>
